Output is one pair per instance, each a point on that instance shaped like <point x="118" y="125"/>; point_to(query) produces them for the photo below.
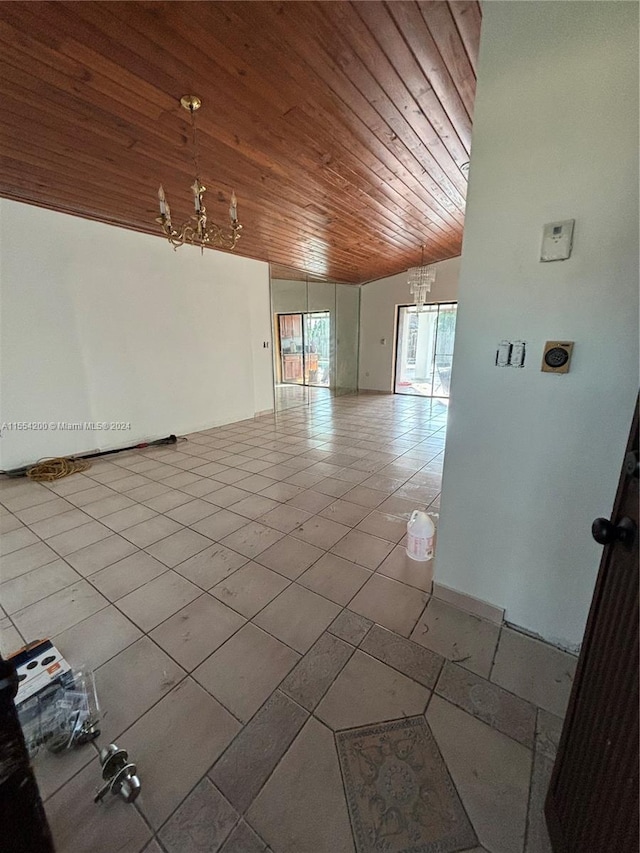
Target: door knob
<point x="606" y="532"/>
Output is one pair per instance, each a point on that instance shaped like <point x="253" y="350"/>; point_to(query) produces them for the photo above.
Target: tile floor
<point x="269" y="656"/>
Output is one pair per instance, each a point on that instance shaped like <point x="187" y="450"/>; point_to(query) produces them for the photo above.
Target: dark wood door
<point x="592" y="803"/>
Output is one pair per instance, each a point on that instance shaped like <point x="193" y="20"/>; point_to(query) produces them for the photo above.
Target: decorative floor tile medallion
<point x="400" y="795"/>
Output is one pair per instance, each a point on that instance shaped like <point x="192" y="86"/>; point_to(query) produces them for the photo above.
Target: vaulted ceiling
<point x="344" y="127"/>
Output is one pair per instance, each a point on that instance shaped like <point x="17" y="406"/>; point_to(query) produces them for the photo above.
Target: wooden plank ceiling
<point x="343" y="127"/>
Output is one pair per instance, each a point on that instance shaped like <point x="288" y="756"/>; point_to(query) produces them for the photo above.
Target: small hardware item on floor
<point x="57" y="706"/>
<point x="119" y="773"/>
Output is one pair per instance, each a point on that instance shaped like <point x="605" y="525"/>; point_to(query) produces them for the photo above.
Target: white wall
<point x="104" y="324"/>
<point x="532" y="458"/>
<point x="378" y="307"/>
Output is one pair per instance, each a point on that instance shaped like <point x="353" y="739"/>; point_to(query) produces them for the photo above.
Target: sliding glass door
<point x="305" y="348"/>
<point x="424" y="349"/>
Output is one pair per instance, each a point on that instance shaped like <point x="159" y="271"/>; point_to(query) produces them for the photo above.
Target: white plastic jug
<point x="420" y="532"/>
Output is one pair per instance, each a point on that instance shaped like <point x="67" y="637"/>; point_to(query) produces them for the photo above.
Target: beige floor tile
<point x="351" y="475"/>
<point x="305" y="479"/>
<point x="362" y="548"/>
<point x="220" y="524"/>
<point x="534" y="670"/>
<point x="320" y="532"/>
<point x="169" y="500"/>
<point x="390" y="603"/>
<point x="123" y="518"/>
<point x="79" y="537"/>
<point x="459" y="636"/>
<point x="350" y="627"/>
<point x="499" y="709"/>
<point x="285" y="518"/>
<point x="96" y="639"/>
<point x="59" y="611"/>
<point x="150" y="531"/>
<point x="332" y="486"/>
<point x="130" y="683"/>
<point x="311" y="501"/>
<point x="283" y="492"/>
<point x="548" y="732"/>
<point x="209" y="469"/>
<point x="194" y="632"/>
<point x="191" y="512"/>
<point x="400" y="507"/>
<point x="43" y="510"/>
<point x="345" y="512"/>
<point x="179" y="547"/>
<point x="36" y="585"/>
<point x="107" y="506"/>
<point x="384" y="526"/>
<point x="335" y="578"/>
<point x="125" y="576"/>
<point x="365" y="497"/>
<point x="201" y="823"/>
<point x="385" y="483"/>
<point x="368" y="691"/>
<point x="315" y="673"/>
<point x="160" y="739"/>
<point x="10" y="638"/>
<point x="252" y="539"/>
<point x="158" y="599"/>
<point x="145" y="493"/>
<point x="27" y="559"/>
<point x="79" y="826"/>
<point x="229" y="495"/>
<point x="309" y="776"/>
<point x="537" y="840"/>
<point x="289" y="557"/>
<point x="245" y="670"/>
<point x="490" y="771"/>
<point x="104" y="553"/>
<point x="229" y="476"/>
<point x="257" y="483"/>
<point x="297" y="617"/>
<point x="27" y="499"/>
<point x="402" y="568"/>
<point x="243" y="840"/>
<point x="254" y="506"/>
<point x="53" y="770"/>
<point x="87" y="496"/>
<point x="247" y="763"/>
<point x="211" y="566"/>
<point x="126" y="484"/>
<point x="404" y="655"/>
<point x="250" y="588"/>
<point x="16" y="539"/>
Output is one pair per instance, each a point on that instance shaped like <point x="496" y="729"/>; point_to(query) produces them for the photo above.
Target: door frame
<point x="303" y="315"/>
<point x="397" y="344"/>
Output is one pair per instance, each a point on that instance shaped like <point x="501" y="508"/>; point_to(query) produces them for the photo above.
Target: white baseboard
<point x="467" y="602"/>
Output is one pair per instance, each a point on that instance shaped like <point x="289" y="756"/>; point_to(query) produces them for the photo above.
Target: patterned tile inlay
<point x="400" y="795"/>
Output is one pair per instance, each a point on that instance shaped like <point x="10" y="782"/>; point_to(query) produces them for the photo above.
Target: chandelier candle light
<point x="420" y="280"/>
<point x="197" y="230"/>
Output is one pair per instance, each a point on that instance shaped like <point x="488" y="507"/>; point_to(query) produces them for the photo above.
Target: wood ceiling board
<point x="342" y="126"/>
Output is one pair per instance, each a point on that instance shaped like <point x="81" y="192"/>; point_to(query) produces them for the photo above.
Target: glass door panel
<point x="424" y="349"/>
<point x="317" y="349"/>
<point x="291" y="349"/>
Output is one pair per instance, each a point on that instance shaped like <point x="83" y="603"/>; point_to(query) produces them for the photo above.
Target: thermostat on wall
<point x="556" y="356"/>
<point x="557" y="240"/>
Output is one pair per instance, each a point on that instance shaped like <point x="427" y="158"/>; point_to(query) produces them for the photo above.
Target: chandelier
<point x="198" y="230"/>
<point x="420" y="280"/>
